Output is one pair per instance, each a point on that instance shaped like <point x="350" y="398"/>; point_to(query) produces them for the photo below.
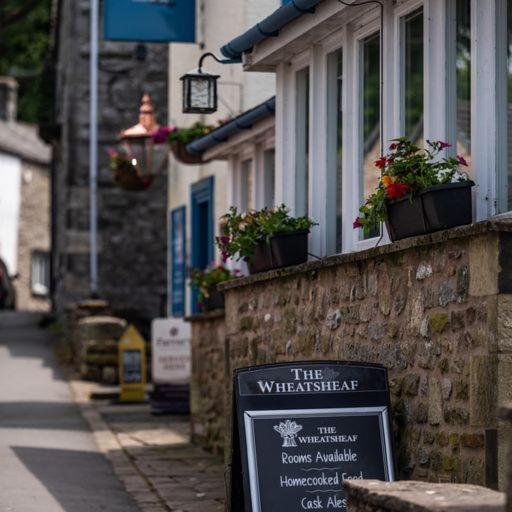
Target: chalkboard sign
<point x="132" y="366"/>
<point x="301" y="429"/>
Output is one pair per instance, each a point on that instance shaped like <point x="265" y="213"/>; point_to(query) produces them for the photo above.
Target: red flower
<point x="397" y="190"/>
<point x="381" y="162"/>
<point x="393" y="146"/>
<point x="224" y="239"/>
<point x="443" y="145"/>
<point x="357" y="223"/>
<point x="462" y="160"/>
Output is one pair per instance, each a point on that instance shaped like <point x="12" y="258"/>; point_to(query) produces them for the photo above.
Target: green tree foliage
<point x="24" y="40"/>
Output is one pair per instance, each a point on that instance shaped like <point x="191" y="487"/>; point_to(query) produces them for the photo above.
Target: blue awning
<point x="243" y="122"/>
<point x="269" y="27"/>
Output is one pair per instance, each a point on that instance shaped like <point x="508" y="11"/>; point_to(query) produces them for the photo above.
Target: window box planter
<point x="284" y="250"/>
<point x="434" y="209"/>
<point x="215" y="299"/>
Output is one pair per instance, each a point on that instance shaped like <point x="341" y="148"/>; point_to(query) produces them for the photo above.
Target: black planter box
<point x="214" y="301"/>
<point x="447" y="206"/>
<point x="405" y="218"/>
<point x="289" y="248"/>
<point x="434" y="209"/>
<point x="284" y="250"/>
<point x="261" y="260"/>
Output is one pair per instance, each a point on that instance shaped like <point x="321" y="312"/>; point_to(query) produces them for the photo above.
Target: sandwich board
<point x="132" y="366"/>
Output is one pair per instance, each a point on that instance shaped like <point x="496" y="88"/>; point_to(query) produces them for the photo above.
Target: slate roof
<point x="22" y="140"/>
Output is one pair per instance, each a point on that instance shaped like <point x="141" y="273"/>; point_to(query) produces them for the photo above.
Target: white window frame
<point x="367" y="30"/>
<point x="487" y="111"/>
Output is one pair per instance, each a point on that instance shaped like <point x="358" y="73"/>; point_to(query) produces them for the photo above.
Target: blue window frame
<point x="178" y="261"/>
<point x="202" y="227"/>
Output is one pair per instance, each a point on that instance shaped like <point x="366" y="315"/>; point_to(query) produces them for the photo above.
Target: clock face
<point x="200" y="93"/>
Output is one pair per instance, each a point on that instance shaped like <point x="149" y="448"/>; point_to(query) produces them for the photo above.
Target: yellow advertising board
<point x="132" y="366"/>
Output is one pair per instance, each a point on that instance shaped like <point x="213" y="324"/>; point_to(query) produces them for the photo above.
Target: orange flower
<point x="386" y="180"/>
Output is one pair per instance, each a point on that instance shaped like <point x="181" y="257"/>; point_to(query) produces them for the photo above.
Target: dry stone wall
<point x="433" y="310"/>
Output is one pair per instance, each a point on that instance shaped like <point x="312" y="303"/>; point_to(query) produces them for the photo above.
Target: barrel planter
<point x="433" y="209"/>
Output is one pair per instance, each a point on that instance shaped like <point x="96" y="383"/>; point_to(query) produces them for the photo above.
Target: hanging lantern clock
<point x="142" y="151"/>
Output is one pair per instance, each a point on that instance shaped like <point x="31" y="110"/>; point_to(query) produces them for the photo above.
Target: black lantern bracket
<point x="213" y="56"/>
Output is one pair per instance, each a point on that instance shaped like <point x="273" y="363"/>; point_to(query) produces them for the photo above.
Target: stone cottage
<point x="24" y="204"/>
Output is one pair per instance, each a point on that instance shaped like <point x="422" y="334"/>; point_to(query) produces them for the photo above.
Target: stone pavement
<point x="153" y="456"/>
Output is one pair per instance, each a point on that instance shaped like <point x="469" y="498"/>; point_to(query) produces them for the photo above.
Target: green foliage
<point x="205" y="280"/>
<point x="242" y="232"/>
<point x="24" y="40"/>
<point x="405" y="171"/>
<point x="187" y="135"/>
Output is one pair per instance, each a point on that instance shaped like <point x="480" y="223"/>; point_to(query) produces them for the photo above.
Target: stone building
<point x="132" y="225"/>
<point x="24" y="204"/>
<point x="433" y="309"/>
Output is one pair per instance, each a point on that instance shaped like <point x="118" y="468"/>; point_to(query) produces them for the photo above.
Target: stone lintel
<point x="411" y="496"/>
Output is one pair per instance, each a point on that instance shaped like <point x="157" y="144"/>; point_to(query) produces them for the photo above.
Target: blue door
<point x="178" y="263"/>
<point x="202" y="228"/>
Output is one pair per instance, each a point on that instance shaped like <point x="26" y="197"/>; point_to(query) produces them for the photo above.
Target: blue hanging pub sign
<point x="159" y="21"/>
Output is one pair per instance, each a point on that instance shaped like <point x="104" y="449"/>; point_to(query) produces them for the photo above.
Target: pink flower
<point x="357" y="223"/>
<point x="443" y="145"/>
<point x="393" y="146"/>
<point x="160" y="136"/>
<point x="224" y="239"/>
<point x="112" y="153"/>
<point x="462" y="160"/>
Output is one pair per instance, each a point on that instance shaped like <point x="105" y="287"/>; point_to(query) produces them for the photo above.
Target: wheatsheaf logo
<point x="288" y="431"/>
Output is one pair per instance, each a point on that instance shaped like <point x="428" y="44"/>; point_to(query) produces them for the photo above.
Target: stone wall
<point x="435" y="310"/>
<point x="208" y="390"/>
<point x="33" y="232"/>
<point x="375" y="496"/>
<point x="132" y="225"/>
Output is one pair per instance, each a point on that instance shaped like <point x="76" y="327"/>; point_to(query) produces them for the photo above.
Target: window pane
<point x="370" y="117"/>
<point x="302" y="142"/>
<point x="269" y="158"/>
<point x="413" y="76"/>
<point x="334" y="141"/>
<point x="246" y="186"/>
<point x="463" y="63"/>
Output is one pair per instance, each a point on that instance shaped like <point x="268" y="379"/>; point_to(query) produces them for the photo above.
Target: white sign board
<point x="171" y="357"/>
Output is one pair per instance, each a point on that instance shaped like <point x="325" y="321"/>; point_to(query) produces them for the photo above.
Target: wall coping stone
<point x="411" y="496"/>
<point x="205" y="317"/>
<point x="498" y="224"/>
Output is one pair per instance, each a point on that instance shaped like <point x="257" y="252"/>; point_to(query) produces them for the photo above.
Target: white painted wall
<point x="10" y="198"/>
<point x="218" y="22"/>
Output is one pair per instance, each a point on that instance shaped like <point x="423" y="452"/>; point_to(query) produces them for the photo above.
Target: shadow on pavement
<point x="23" y="338"/>
<point x="41" y="415"/>
<point x="80" y="481"/>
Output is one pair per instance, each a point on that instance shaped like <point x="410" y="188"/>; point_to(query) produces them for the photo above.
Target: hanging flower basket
<point x="132" y="181"/>
<point x="179" y="150"/>
<point x="180" y="138"/>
